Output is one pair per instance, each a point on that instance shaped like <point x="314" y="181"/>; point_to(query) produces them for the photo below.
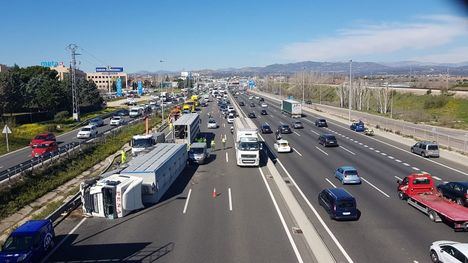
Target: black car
<point x="308" y="102"/>
<point x="265" y="128"/>
<point x="321" y="123"/>
<point x="263" y="112"/>
<point x="252" y="115"/>
<point x="122" y="112"/>
<point x="241" y="103"/>
<point x="457" y="191"/>
<point x="284" y="129"/>
<point x="339" y="204"/>
<point x="328" y="140"/>
<point x="252" y="104"/>
<point x="261" y="99"/>
<point x="298" y="125"/>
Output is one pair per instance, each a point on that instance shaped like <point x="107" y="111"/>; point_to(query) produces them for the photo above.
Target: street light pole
<point x="303" y="68"/>
<point x="350" y="88"/>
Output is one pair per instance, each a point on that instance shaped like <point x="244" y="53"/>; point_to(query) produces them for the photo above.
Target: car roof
<point x="89" y="126"/>
<point x="322" y="120"/>
<point x="328" y="135"/>
<point x="347" y="168"/>
<point x="31" y="226"/>
<point x="265" y="124"/>
<point x="340" y="193"/>
<point x="284" y="125"/>
<point x="462" y="247"/>
<point x="198" y="145"/>
<point x="465" y="184"/>
<point x="282" y="141"/>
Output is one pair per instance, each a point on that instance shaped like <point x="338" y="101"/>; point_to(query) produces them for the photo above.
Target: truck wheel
<point x="434" y="257"/>
<point x="401" y="195"/>
<point x="432" y="215"/>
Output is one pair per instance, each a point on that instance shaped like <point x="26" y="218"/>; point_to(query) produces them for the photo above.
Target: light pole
<point x="350" y="88"/>
<point x="303" y="68"/>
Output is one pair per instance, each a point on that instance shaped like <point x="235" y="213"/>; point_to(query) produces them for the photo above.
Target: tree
<point x="8" y="102"/>
<point x="88" y="93"/>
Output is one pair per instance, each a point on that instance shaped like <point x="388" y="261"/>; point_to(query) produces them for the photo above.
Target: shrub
<point x="435" y="102"/>
<point x="61" y="116"/>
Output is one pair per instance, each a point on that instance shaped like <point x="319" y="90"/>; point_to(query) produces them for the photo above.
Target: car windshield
<point x="197" y="150"/>
<point x="433" y="147"/>
<point x="211" y="121"/>
<point x="40" y="137"/>
<point x="17" y="243"/>
<point x="248" y="146"/>
<point x="331" y="138"/>
<point x="284" y="144"/>
<point x="285" y="127"/>
<point x="40" y="146"/>
<point x="86" y="129"/>
<point x="266" y="127"/>
<point x="345" y="204"/>
<point x="351" y="172"/>
<point x="423" y="180"/>
<point x="298" y="123"/>
<point x="116" y="119"/>
<point x="142" y="143"/>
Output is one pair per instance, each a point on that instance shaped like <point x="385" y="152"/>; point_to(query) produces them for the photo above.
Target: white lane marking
<point x="330" y="182"/>
<point x="347" y="150"/>
<point x="370" y="148"/>
<point x="297" y="134"/>
<point x="398" y="178"/>
<point x="391" y="157"/>
<point x="227" y="157"/>
<point x="267" y="123"/>
<point x="315" y="132"/>
<point x="281" y="123"/>
<point x="187" y="201"/>
<point x="230" y="199"/>
<point x="63" y="240"/>
<point x="330" y="233"/>
<point x="346" y="137"/>
<point x="398" y="160"/>
<point x="351" y="139"/>
<point x="283" y="222"/>
<point x="167" y="135"/>
<point x="321" y="150"/>
<point x="365" y="145"/>
<point x="377" y="151"/>
<point x="224" y="124"/>
<point x="437" y="178"/>
<point x="415" y="168"/>
<point x="297" y="152"/>
<point x="405" y="164"/>
<point x="375" y="187"/>
<point x="384" y="154"/>
<point x="360" y="143"/>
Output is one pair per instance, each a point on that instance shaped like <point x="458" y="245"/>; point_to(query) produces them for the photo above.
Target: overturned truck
<point x="143" y="182"/>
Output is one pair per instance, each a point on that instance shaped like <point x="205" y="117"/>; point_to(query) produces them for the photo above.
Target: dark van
<point x="339" y="204"/>
<point x="29" y="243"/>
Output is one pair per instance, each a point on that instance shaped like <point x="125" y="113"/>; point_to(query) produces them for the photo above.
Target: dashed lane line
<point x="347" y="150"/>
<point x="375" y="187"/>
<point x="321" y="150"/>
<point x="297" y="152"/>
<point x="334" y="186"/>
<point x="187" y="201"/>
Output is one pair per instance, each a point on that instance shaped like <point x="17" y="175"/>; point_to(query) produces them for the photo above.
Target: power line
<point x="96" y="58"/>
<point x="75" y="102"/>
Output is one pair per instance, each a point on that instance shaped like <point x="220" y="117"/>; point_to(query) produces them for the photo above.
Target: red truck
<point x="419" y="191"/>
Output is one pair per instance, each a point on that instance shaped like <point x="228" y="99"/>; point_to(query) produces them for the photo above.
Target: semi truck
<point x="186" y="128"/>
<point x="247" y="143"/>
<point x="292" y="108"/>
<point x="144" y="142"/>
<point x="418" y="190"/>
<point x="143" y="182"/>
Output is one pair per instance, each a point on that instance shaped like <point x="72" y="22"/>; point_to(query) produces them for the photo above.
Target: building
<point x="104" y="80"/>
<point x="62" y="70"/>
<point x="3" y="68"/>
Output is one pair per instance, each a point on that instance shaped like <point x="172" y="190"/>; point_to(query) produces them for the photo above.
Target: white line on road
<point x="384" y="154"/>
<point x="437" y="178"/>
<point x="283" y="222"/>
<point x="321" y="150"/>
<point x="390" y="157"/>
<point x="63" y="240"/>
<point x="377" y="151"/>
<point x="375" y="187"/>
<point x="227" y="157"/>
<point x="330" y="182"/>
<point x="267" y="123"/>
<point x="187" y="200"/>
<point x="360" y="143"/>
<point x="415" y="168"/>
<point x="167" y="135"/>
<point x="297" y="152"/>
<point x="347" y="150"/>
<point x="224" y="124"/>
<point x="405" y="164"/>
<point x="315" y="132"/>
<point x="230" y="199"/>
<point x="398" y="178"/>
<point x="297" y="134"/>
<point x="330" y="233"/>
<point x="370" y="148"/>
<point x="365" y="145"/>
<point x="398" y="160"/>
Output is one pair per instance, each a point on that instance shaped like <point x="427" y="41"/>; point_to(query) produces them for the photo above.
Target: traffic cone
<point x="214" y="192"/>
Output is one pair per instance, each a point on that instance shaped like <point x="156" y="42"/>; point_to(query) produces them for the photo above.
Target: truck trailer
<point x="292" y="108"/>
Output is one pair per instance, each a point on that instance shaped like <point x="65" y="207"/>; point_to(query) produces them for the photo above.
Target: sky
<point x="203" y="34"/>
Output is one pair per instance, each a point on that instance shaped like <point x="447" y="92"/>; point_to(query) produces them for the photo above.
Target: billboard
<point x="109" y="69"/>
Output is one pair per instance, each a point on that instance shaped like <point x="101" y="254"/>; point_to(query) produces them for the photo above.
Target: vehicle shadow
<point x="116" y="252"/>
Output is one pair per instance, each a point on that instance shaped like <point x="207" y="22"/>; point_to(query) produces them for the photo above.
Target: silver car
<point x="198" y="153"/>
<point x="426" y="149"/>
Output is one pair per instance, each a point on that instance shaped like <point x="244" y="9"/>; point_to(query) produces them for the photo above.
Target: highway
<point x="389" y="230"/>
<point x="24" y="154"/>
<point x="240" y="224"/>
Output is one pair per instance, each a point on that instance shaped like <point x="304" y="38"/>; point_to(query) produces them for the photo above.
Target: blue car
<point x="29" y="243"/>
<point x="339" y="204"/>
<point x="347" y="175"/>
<point x="357" y="126"/>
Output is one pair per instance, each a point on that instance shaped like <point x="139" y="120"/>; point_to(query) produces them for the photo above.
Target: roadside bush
<point x="61" y="116"/>
<point x="435" y="102"/>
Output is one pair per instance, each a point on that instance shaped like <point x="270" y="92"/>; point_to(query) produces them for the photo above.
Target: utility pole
<point x="75" y="101"/>
<point x="303" y="69"/>
<point x="350" y="88"/>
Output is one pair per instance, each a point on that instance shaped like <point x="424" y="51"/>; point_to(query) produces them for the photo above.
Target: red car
<point x="44" y="147"/>
<point x="43" y="137"/>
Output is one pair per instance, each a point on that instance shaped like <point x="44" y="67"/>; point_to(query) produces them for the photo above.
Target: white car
<point x="116" y="121"/>
<point x="230" y="118"/>
<point x="264" y="105"/>
<point x="282" y="146"/>
<point x="449" y="252"/>
<point x="212" y="124"/>
<point x="87" y="132"/>
<point x="251" y="98"/>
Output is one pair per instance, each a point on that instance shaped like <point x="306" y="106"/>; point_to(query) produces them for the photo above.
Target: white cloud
<point x="386" y="38"/>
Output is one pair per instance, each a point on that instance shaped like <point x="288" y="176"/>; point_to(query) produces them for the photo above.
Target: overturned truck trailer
<point x="146" y="179"/>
